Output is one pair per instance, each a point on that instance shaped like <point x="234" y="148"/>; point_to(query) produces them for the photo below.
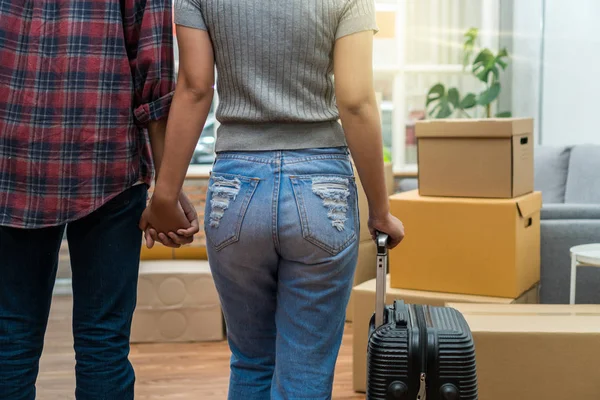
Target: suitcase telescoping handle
<point x="382" y="264"/>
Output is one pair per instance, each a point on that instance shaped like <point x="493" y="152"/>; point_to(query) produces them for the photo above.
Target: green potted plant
<point x="486" y="67"/>
<point x="464" y="148"/>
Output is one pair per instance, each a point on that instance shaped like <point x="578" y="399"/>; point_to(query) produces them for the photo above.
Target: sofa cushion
<point x="551" y="170"/>
<point x="408" y="184"/>
<point x="583" y="181"/>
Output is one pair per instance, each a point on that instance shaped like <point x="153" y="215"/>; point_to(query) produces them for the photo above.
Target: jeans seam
<point x="243" y="157"/>
<point x="275" y="206"/>
<point x="298" y="160"/>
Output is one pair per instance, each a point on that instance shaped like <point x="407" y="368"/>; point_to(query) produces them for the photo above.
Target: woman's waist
<point x="273" y="136"/>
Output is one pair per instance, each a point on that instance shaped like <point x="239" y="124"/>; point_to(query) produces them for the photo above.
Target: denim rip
<point x="224" y="192"/>
<point x="334" y="192"/>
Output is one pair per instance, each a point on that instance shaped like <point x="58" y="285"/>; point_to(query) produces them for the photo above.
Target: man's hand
<point x="182" y="236"/>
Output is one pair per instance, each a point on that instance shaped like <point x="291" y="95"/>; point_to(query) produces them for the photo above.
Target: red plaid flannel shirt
<point x="79" y="81"/>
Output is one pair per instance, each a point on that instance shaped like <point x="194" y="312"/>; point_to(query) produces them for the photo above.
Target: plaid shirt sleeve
<point x="148" y="29"/>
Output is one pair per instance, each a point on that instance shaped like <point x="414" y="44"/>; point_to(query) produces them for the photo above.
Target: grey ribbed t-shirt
<point x="274" y="63"/>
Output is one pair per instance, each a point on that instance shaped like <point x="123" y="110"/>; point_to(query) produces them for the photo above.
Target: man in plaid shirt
<point x="84" y="85"/>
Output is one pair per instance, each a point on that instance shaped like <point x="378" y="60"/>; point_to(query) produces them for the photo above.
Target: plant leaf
<point x="500" y="58"/>
<point x="469" y="45"/>
<point x="469" y="101"/>
<point x="435" y="93"/>
<point x="483" y="65"/>
<point x="444" y="110"/>
<point x="504" y="114"/>
<point x="453" y="97"/>
<point x="438" y="97"/>
<point x="488" y="96"/>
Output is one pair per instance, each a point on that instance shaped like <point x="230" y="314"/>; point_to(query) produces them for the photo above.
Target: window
<point x="419" y="45"/>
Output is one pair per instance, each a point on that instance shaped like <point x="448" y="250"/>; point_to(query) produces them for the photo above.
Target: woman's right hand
<point x="389" y="225"/>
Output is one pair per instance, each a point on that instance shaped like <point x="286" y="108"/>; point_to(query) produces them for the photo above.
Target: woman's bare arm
<point x="190" y="108"/>
<point x="189" y="111"/>
<point x="353" y="70"/>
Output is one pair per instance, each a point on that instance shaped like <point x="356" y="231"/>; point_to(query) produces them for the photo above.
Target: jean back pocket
<point x="327" y="205"/>
<point x="227" y="201"/>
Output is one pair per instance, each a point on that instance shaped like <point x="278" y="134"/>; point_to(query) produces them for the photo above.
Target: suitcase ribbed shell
<point x="456" y="355"/>
<point x="388" y="356"/>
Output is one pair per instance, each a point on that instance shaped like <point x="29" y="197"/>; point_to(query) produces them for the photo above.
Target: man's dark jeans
<point x="105" y="253"/>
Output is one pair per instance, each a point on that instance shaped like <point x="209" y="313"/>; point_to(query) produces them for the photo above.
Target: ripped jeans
<point x="282" y="233"/>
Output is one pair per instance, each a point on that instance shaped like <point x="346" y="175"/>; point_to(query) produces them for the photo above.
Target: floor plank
<point x="172" y="372"/>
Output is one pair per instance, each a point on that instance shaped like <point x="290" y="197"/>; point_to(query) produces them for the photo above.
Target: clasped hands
<point x="170" y="221"/>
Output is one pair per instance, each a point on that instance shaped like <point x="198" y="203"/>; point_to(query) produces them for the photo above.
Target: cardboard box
<point x="487" y="247"/>
<point x="363" y="204"/>
<point x="549" y="352"/>
<point x="177" y="302"/>
<point x="491" y="158"/>
<point x="364" y="306"/>
<point x="195" y="251"/>
<point x="365" y="270"/>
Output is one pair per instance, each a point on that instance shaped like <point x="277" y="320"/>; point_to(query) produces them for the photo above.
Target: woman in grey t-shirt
<point x="281" y="219"/>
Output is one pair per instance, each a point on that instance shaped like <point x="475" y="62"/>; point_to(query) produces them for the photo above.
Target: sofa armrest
<point x="570" y="211"/>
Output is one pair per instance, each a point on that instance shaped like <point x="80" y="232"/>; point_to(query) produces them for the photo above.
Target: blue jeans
<point x="105" y="252"/>
<point x="282" y="234"/>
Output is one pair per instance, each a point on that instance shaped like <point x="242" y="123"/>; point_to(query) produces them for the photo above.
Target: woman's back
<point x="275" y="65"/>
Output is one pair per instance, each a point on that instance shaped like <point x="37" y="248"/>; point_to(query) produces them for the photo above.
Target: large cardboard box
<point x="487" y="247"/>
<point x="490" y="158"/>
<point x="363" y="204"/>
<point x="177" y="302"/>
<point x="364" y="306"/>
<point x="365" y="270"/>
<point x="549" y="352"/>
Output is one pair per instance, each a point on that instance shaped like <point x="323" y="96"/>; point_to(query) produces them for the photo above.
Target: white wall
<point x="571" y="65"/>
<point x="566" y="94"/>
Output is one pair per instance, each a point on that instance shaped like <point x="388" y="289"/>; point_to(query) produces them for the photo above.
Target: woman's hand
<point x="163" y="216"/>
<point x="389" y="225"/>
<point x="183" y="236"/>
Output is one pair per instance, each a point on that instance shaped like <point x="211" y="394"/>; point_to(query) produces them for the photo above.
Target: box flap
<point x="425" y="297"/>
<point x="481" y="128"/>
<point x="531" y="318"/>
<point x="414" y="196"/>
<point x="529" y="204"/>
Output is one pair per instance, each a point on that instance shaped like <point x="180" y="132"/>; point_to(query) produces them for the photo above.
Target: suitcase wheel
<point x="397" y="390"/>
<point x="449" y="392"/>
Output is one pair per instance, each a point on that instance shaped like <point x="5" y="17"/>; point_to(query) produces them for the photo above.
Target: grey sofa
<point x="569" y="178"/>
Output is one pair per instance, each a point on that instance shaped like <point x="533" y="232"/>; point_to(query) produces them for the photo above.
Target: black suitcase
<point x="417" y="352"/>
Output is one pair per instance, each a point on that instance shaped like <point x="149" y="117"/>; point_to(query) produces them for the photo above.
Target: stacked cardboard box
<point x="177" y="302"/>
<point x="525" y="352"/>
<point x="486" y="247"/>
<point x="367" y="251"/>
<point x="474" y="226"/>
<point x="364" y="297"/>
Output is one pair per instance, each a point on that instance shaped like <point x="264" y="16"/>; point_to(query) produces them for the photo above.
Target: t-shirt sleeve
<point x="189" y="13"/>
<point x="357" y="16"/>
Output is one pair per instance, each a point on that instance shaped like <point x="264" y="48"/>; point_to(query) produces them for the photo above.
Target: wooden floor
<point x="174" y="371"/>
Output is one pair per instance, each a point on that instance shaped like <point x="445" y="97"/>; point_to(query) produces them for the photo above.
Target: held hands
<point x="388" y="224"/>
<point x="170" y="222"/>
